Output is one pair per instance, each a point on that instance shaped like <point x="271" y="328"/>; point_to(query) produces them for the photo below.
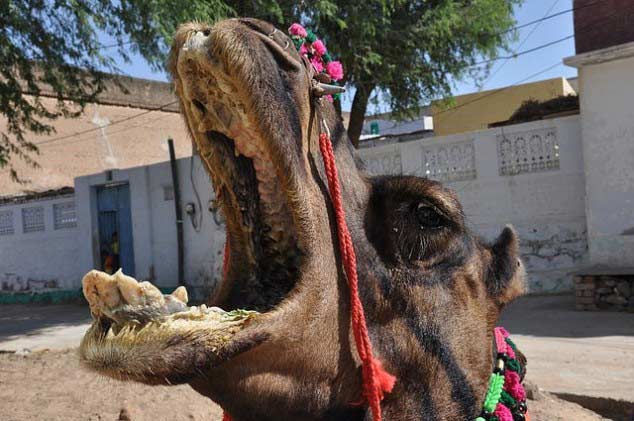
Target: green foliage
<point x="406" y="51"/>
<point x="52" y="47"/>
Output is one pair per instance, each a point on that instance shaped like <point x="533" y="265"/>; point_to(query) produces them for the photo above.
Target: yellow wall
<point x="476" y="111"/>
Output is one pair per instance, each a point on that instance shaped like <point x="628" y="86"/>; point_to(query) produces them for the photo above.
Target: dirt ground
<point x="582" y="354"/>
<point x="50" y="385"/>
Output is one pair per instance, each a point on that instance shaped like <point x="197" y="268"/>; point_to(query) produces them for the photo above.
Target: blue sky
<point x="507" y="73"/>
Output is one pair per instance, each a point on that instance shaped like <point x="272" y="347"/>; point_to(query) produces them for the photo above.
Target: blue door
<point x="116" y="244"/>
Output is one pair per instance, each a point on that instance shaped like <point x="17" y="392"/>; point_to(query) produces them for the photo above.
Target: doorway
<point x="114" y="216"/>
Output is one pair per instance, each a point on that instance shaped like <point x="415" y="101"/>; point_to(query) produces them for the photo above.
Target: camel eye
<point x="428" y="217"/>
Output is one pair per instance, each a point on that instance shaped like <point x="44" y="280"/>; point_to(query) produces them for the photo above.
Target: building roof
<point x="478" y="110"/>
<point x="124" y="128"/>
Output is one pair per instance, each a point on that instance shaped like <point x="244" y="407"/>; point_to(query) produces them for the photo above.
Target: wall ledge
<point x="603" y="55"/>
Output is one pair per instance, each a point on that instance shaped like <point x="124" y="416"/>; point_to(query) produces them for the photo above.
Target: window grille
<point x="64" y="215"/>
<point x="386" y="163"/>
<point x="6" y="223"/>
<point x="526" y="152"/>
<point x="449" y="162"/>
<point x="33" y="219"/>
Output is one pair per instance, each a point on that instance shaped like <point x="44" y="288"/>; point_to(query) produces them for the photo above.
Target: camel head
<point x="281" y="347"/>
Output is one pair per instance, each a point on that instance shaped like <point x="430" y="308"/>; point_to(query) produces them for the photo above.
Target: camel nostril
<point x="200" y="106"/>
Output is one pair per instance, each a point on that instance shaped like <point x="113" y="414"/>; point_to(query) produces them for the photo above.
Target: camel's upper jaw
<point x="244" y="93"/>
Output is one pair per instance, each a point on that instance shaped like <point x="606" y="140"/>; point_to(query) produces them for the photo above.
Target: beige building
<point x="122" y="130"/>
<point x="478" y="110"/>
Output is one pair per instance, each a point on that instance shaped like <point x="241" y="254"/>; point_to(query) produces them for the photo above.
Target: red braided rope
<point x="376" y="381"/>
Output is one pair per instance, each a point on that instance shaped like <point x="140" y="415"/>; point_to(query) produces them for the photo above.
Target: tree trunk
<point x="357" y="112"/>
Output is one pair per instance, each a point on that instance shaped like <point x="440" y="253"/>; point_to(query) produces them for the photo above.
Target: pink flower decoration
<point x="329" y="98"/>
<point x="297" y="29"/>
<point x="503" y="413"/>
<point x="317" y="64"/>
<point x="335" y="70"/>
<point x="513" y="386"/>
<point x="319" y="47"/>
<point x="303" y="50"/>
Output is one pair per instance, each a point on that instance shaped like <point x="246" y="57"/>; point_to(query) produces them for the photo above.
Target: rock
<point x="124" y="415"/>
<point x="615" y="299"/>
<point x="604" y="291"/>
<point x="624" y="288"/>
<point x="533" y="392"/>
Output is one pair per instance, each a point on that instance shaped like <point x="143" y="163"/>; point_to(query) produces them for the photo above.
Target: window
<point x="449" y="162"/>
<point x="33" y="219"/>
<point x="64" y="215"/>
<point x="6" y="223"/>
<point x="527" y="152"/>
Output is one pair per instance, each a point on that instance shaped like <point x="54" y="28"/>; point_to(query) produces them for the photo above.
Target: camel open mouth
<point x="249" y="167"/>
<point x="248" y="173"/>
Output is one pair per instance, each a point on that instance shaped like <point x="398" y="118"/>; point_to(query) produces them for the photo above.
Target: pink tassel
<point x="503" y="413"/>
<point x="513" y="386"/>
<point x="317" y="64"/>
<point x="298" y="30"/>
<point x="319" y="47"/>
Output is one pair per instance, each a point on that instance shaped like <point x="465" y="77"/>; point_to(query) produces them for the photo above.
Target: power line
<point x="110" y="133"/>
<point x="579" y="30"/>
<point x="94" y="129"/>
<point x="521" y="53"/>
<point x="548" y="17"/>
<point x="500" y="90"/>
<point x="119" y="44"/>
<point x="532" y="31"/>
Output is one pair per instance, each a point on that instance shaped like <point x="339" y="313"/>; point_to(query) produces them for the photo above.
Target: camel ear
<point x="506" y="276"/>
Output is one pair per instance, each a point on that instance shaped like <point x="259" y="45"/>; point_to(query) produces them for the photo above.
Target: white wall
<point x="48" y="255"/>
<point x="546" y="206"/>
<point x="607" y="109"/>
<point x="154" y="224"/>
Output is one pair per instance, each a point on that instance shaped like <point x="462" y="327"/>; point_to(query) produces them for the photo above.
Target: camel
<point x="274" y="341"/>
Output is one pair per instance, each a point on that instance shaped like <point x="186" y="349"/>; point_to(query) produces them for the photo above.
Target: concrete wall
<point x="543" y="198"/>
<point x="45" y="258"/>
<point x="476" y="111"/>
<point x="607" y="117"/>
<point x="154" y="224"/>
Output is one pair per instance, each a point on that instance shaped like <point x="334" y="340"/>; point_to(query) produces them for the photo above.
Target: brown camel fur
<point x="432" y="291"/>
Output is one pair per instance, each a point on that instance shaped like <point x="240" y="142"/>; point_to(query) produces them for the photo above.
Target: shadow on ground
<point x="555" y="316"/>
<point x="25" y="320"/>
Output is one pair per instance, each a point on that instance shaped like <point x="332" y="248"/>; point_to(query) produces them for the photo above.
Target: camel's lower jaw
<point x="155" y="338"/>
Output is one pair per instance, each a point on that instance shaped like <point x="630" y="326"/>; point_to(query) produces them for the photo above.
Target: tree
<point x="405" y="51"/>
<point x="53" y="46"/>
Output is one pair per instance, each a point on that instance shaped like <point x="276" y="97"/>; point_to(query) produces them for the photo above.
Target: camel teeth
<point x="180" y="294"/>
